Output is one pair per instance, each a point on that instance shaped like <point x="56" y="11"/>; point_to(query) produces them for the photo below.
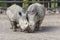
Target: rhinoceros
<point x="16" y="16"/>
<point x="35" y="15"/>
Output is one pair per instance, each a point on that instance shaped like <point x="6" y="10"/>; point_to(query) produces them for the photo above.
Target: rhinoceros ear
<point x="20" y="14"/>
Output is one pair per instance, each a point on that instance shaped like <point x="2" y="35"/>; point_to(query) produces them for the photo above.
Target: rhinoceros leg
<point x="38" y="25"/>
<point x="14" y="25"/>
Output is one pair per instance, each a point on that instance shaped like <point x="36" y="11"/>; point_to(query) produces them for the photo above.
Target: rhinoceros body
<point x="16" y="15"/>
<point x="35" y="13"/>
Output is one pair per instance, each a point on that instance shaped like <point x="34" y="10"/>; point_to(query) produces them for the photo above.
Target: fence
<point x="48" y="3"/>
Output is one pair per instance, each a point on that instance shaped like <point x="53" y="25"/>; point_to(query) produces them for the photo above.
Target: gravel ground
<point x="50" y="30"/>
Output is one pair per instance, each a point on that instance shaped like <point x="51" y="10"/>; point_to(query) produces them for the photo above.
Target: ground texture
<point x="50" y="30"/>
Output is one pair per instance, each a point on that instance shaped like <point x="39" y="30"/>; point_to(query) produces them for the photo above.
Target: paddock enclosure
<point x="49" y="29"/>
<point x="48" y="4"/>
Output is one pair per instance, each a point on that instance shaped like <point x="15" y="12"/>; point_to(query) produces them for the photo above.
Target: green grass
<point x="3" y="4"/>
<point x="53" y="5"/>
<point x="25" y="4"/>
<point x="33" y="1"/>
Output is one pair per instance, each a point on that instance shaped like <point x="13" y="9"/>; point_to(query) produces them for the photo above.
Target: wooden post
<point x="43" y="2"/>
<point x="48" y="5"/>
<point x="56" y="4"/>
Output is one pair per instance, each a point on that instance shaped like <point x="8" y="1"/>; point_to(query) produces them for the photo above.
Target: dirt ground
<point x="50" y="30"/>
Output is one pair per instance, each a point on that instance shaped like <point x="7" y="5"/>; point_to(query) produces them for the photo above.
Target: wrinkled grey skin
<point x="16" y="14"/>
<point x="35" y="13"/>
<point x="28" y="21"/>
<point x="23" y="23"/>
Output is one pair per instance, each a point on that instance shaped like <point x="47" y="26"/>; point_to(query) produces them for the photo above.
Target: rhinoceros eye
<point x="20" y="13"/>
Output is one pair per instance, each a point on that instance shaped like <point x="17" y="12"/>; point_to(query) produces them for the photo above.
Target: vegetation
<point x="25" y="4"/>
<point x="3" y="4"/>
<point x="33" y="1"/>
<point x="53" y="5"/>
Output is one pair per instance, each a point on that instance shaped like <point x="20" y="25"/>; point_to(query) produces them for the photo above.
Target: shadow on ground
<point x="48" y="29"/>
